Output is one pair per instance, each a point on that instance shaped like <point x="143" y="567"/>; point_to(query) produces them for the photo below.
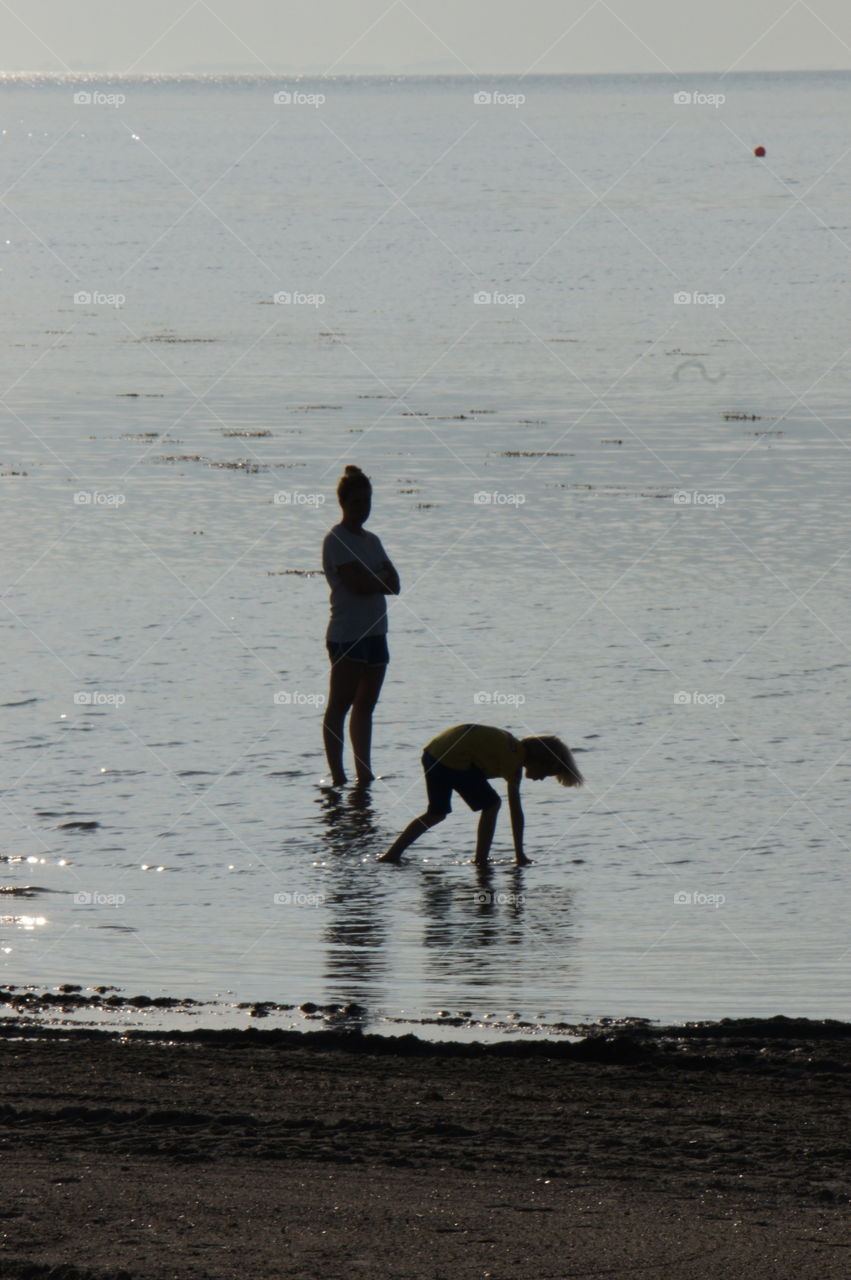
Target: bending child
<point x="462" y="759"/>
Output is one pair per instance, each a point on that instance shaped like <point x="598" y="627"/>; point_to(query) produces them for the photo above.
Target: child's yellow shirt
<point x="495" y="751"/>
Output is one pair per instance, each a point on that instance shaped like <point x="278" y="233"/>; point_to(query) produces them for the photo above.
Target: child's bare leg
<point x="360" y="722"/>
<point x="411" y="833"/>
<point x="487" y="826"/>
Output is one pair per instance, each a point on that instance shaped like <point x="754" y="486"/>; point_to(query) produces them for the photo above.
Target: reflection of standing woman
<point x="360" y="575"/>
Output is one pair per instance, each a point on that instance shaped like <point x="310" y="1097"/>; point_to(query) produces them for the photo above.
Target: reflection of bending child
<point x="462" y="759"/>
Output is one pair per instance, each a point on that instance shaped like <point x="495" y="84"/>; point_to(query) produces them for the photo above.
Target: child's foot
<point x="389" y="857"/>
<point x="365" y="779"/>
<point x="336" y="780"/>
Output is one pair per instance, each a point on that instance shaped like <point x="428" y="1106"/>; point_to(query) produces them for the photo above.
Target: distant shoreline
<point x="251" y="77"/>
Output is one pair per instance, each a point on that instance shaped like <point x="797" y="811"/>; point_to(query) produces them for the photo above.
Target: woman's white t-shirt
<point x="353" y="616"/>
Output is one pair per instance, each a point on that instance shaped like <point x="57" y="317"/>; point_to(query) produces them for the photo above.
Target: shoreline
<point x="106" y="1009"/>
<point x="703" y="1151"/>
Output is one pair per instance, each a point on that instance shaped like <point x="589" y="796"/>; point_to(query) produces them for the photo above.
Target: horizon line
<point x="221" y="73"/>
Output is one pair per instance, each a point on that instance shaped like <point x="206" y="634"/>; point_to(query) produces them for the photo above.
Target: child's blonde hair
<point x="552" y="754"/>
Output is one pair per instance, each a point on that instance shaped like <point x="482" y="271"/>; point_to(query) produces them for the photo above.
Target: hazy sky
<point x="482" y="36"/>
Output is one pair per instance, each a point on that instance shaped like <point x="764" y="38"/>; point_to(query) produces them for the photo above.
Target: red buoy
<point x="759" y="151"/>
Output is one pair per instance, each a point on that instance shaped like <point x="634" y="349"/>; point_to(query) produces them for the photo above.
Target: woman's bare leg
<point x="345" y="676"/>
<point x="360" y="722"/>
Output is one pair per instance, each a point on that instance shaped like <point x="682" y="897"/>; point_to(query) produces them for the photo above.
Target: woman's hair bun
<point x="352" y="481"/>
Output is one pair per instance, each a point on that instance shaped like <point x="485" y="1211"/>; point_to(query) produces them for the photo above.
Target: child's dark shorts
<point x="471" y="785"/>
<point x="371" y="650"/>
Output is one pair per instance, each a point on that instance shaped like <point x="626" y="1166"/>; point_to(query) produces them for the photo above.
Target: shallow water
<point x="616" y="517"/>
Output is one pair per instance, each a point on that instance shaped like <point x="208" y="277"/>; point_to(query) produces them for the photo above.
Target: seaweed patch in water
<point x="241" y="464"/>
<point x="298" y="573"/>
<point x="170" y="337"/>
<point x="179" y="457"/>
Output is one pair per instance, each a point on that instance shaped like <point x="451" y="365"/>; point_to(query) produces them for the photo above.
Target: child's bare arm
<point x="515" y="808"/>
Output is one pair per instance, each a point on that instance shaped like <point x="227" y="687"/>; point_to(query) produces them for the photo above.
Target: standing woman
<point x="360" y="575"/>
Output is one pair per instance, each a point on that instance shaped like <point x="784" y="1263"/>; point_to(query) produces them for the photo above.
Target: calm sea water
<point x="595" y="357"/>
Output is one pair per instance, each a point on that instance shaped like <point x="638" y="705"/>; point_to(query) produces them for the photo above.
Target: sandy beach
<point x="708" y="1151"/>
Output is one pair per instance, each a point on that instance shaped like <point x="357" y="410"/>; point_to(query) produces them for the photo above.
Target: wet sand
<point x="714" y="1151"/>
